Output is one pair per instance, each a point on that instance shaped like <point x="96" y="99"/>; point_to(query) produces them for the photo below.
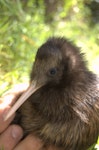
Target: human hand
<point x="10" y="135"/>
<point x="33" y="143"/>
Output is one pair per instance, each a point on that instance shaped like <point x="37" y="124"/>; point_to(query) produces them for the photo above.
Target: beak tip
<point x="9" y="114"/>
<point x="20" y="101"/>
<point x="6" y="117"/>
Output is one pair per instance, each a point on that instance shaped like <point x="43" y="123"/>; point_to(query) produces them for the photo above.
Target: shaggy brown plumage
<point x="65" y="111"/>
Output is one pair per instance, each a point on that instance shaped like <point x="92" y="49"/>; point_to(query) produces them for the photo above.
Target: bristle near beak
<point x="32" y="88"/>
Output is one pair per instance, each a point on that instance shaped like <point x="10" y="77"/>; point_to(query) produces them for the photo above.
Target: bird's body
<point x="65" y="111"/>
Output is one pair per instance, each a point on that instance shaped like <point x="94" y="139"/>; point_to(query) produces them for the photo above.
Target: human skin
<point x="11" y="135"/>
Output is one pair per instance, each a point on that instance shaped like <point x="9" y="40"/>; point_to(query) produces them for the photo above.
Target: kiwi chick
<point x="64" y="111"/>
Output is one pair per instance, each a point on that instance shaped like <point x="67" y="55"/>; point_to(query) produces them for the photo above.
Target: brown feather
<point x="65" y="111"/>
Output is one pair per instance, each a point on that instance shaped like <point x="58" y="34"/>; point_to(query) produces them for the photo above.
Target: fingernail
<point x="16" y="132"/>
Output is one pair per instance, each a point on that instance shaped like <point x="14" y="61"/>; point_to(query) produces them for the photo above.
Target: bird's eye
<point x="53" y="71"/>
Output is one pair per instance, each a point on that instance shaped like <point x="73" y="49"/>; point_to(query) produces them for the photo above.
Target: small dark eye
<point x="53" y="71"/>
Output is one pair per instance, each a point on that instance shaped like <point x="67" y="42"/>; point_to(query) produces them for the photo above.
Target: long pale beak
<point x="22" y="99"/>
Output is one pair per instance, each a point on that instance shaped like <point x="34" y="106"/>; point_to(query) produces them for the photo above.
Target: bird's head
<point x="55" y="63"/>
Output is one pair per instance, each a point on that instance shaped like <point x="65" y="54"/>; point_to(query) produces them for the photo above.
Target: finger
<point x="21" y="87"/>
<point x="13" y="94"/>
<point x="10" y="137"/>
<point x="51" y="147"/>
<point x="30" y="143"/>
<point x="7" y="100"/>
<point x="4" y="124"/>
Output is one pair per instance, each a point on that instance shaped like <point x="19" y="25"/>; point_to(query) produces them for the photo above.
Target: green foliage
<point x="20" y="38"/>
<point x="23" y="30"/>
